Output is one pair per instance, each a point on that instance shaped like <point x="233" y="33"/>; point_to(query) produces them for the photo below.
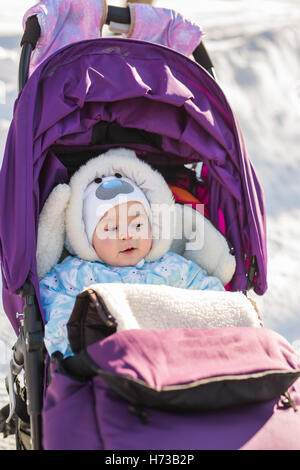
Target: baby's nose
<point x="124" y="233"/>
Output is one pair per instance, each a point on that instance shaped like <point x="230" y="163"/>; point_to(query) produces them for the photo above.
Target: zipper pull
<point x="288" y="402"/>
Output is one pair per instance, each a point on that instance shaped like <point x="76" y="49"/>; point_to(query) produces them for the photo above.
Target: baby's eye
<point x="111" y="229"/>
<point x="139" y="226"/>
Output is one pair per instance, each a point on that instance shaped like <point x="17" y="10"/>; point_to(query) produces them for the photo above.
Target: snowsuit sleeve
<point x="201" y="281"/>
<point x="59" y="290"/>
<point x="180" y="272"/>
<point x="58" y="294"/>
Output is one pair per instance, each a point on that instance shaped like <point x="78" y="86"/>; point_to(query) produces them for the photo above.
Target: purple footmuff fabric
<point x="216" y="388"/>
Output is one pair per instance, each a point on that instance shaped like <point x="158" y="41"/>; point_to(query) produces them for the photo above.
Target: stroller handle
<point x="117" y="15"/>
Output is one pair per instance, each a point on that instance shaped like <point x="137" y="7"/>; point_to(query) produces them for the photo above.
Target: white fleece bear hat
<point x="71" y="212"/>
<point x="68" y="216"/>
<point x="105" y="193"/>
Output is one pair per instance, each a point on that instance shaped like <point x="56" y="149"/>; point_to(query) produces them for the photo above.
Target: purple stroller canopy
<point x="137" y="85"/>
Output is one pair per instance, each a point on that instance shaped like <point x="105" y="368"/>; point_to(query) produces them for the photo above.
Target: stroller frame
<point x="29" y="351"/>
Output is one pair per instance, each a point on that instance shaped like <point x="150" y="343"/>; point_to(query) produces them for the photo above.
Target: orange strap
<point x="183" y="195"/>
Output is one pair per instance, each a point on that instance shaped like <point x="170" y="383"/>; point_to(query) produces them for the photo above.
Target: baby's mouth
<point x="128" y="250"/>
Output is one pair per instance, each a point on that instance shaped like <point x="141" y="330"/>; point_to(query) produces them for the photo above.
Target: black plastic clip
<point x="252" y="272"/>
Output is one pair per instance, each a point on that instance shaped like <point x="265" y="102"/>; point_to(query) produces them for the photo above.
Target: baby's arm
<point x="58" y="311"/>
<point x="58" y="294"/>
<point x="201" y="281"/>
<point x="189" y="275"/>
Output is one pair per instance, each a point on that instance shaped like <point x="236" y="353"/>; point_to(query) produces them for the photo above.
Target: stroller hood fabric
<point x="137" y="85"/>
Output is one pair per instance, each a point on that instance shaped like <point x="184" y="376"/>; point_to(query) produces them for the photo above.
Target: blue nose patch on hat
<point x="109" y="189"/>
<point x="111" y="184"/>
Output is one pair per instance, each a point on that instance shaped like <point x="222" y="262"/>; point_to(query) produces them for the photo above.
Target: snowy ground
<point x="255" y="47"/>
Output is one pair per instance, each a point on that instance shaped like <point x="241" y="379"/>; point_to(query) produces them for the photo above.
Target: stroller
<point x="87" y="97"/>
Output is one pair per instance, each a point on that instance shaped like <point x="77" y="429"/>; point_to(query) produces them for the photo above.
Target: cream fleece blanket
<point x="144" y="306"/>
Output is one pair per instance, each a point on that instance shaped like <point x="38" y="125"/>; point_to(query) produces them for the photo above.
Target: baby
<point x="117" y="219"/>
<point x="121" y="239"/>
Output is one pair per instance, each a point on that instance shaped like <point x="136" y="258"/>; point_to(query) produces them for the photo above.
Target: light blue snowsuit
<point x="60" y="287"/>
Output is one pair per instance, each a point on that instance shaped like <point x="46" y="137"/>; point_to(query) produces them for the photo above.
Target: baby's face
<point x="123" y="235"/>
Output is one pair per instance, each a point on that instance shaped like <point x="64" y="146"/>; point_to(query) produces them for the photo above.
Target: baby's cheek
<point x="145" y="245"/>
<point x="106" y="249"/>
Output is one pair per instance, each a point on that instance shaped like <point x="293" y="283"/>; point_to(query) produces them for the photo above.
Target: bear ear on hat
<point x="202" y="243"/>
<point x="51" y="229"/>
